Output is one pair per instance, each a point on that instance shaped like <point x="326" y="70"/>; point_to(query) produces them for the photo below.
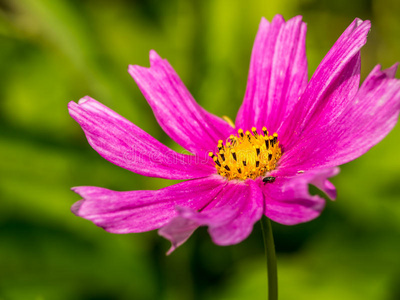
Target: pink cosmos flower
<point x="238" y="173"/>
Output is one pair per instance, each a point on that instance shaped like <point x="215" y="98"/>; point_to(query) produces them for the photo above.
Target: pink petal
<point x="362" y="124"/>
<point x="277" y="75"/>
<point x="230" y="216"/>
<point x="287" y="200"/>
<point x="175" y="109"/>
<point x="178" y="231"/>
<point x="126" y="145"/>
<point x="333" y="85"/>
<point x="320" y="180"/>
<point x="138" y="211"/>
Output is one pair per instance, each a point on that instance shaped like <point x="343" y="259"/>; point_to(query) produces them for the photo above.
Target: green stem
<point x="271" y="258"/>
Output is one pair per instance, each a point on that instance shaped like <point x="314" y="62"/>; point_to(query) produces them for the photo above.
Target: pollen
<point x="249" y="154"/>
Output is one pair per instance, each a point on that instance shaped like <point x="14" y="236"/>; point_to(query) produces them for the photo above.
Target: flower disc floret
<point x="247" y="154"/>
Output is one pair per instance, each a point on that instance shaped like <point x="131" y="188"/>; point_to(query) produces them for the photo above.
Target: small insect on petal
<point x="268" y="179"/>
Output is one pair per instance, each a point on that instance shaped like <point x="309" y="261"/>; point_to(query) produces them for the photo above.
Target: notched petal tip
<point x="381" y="75"/>
<point x="320" y="179"/>
<point x="76" y="207"/>
<point x="84" y="99"/>
<point x="79" y="190"/>
<point x="278" y="18"/>
<point x="263" y="21"/>
<point x="83" y="102"/>
<point x="391" y="71"/>
<point x="366" y="25"/>
<point x="357" y="22"/>
<point x="72" y="105"/>
<point x="357" y="30"/>
<point x="76" y="108"/>
<point x="154" y="58"/>
<point x="135" y="70"/>
<point x="325" y="185"/>
<point x="295" y="20"/>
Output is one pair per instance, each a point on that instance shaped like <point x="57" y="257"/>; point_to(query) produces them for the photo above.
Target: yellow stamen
<point x="229" y="121"/>
<point x="247" y="155"/>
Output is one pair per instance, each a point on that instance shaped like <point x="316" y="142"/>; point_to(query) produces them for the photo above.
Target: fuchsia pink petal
<point x="178" y="231"/>
<point x="138" y="211"/>
<point x="126" y="145"/>
<point x="176" y="111"/>
<point x="316" y="177"/>
<point x="320" y="180"/>
<point x="332" y="86"/>
<point x="288" y="201"/>
<point x="366" y="120"/>
<point x="277" y="75"/>
<point x="230" y="216"/>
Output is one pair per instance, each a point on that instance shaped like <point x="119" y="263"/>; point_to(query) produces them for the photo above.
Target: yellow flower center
<point x="247" y="154"/>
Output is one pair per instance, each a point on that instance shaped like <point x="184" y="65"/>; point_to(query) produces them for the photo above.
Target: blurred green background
<point x="55" y="51"/>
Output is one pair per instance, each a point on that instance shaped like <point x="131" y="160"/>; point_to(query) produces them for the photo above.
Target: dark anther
<point x="217" y="162"/>
<point x="234" y="155"/>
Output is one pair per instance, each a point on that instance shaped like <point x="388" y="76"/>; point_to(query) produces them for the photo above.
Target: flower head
<point x="289" y="133"/>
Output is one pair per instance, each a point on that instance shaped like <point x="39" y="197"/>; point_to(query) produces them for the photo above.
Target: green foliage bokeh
<point x="52" y="52"/>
